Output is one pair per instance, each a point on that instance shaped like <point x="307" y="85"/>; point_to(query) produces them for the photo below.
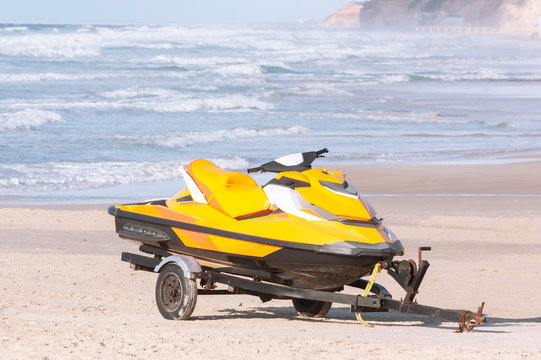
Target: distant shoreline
<point x="519" y="180"/>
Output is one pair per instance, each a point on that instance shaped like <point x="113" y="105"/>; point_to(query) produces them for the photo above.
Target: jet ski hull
<point x="304" y="265"/>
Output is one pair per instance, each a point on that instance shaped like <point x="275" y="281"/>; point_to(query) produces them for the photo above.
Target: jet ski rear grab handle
<point x="405" y="272"/>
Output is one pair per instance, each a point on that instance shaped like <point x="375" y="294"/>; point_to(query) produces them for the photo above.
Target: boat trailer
<point x="405" y="273"/>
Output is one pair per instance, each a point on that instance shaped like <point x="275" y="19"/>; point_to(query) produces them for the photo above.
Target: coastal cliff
<point x="508" y="15"/>
<point x="347" y="17"/>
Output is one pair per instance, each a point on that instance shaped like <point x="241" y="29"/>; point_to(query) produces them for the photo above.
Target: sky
<point x="166" y="11"/>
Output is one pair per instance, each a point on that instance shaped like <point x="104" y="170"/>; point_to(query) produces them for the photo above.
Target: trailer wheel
<point x="176" y="295"/>
<point x="311" y="308"/>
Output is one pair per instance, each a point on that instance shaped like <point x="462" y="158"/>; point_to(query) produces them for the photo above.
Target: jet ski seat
<point x="231" y="192"/>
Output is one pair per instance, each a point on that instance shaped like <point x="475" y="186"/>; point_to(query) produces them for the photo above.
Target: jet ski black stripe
<point x="185" y="198"/>
<point x="255" y="216"/>
<point x="373" y="223"/>
<point x="213" y="231"/>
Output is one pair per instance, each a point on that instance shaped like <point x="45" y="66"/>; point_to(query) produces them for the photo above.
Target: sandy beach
<point x="65" y="294"/>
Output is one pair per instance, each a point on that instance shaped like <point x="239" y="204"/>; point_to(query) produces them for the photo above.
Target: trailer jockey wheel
<point x="311" y="308"/>
<point x="176" y="295"/>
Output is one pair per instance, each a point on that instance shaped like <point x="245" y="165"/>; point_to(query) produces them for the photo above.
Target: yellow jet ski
<point x="302" y="236"/>
<point x="306" y="228"/>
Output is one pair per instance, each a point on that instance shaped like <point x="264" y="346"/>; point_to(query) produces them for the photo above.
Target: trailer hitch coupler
<point x="467" y="319"/>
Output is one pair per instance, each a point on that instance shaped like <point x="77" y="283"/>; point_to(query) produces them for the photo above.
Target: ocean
<point x="98" y="113"/>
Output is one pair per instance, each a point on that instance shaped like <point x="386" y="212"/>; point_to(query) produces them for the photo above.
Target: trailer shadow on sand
<point x="343" y="315"/>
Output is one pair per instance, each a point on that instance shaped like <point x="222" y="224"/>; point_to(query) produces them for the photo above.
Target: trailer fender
<point x="188" y="265"/>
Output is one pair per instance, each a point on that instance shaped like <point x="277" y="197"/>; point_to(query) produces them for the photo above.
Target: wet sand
<point x="65" y="294"/>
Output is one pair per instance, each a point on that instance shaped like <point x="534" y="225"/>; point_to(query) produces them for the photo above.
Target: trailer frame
<point x="405" y="273"/>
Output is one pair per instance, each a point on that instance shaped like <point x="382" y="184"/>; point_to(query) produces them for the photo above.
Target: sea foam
<point x="193" y="138"/>
<point x="156" y="100"/>
<point x="27" y="119"/>
<point x="60" y="176"/>
<point x="36" y="77"/>
<point x="51" y="45"/>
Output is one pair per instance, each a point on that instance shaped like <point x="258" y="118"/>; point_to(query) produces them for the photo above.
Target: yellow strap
<point x="377" y="269"/>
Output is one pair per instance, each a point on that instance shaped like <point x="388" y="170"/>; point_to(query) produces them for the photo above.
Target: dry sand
<point x="65" y="294"/>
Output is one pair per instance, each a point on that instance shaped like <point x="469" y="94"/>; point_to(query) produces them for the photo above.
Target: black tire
<point x="311" y="308"/>
<point x="176" y="295"/>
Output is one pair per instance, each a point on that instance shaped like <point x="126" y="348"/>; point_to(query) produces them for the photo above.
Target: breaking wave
<point x="198" y="61"/>
<point x="135" y="92"/>
<point x="194" y="138"/>
<point x="451" y="76"/>
<point x="34" y="77"/>
<point x="59" y="176"/>
<point x="13" y="28"/>
<point x="90" y="40"/>
<point x="51" y="45"/>
<point x="392" y="79"/>
<point x="158" y="100"/>
<point x="27" y="119"/>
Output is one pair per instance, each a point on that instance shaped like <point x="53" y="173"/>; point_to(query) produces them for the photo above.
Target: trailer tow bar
<point x="409" y="277"/>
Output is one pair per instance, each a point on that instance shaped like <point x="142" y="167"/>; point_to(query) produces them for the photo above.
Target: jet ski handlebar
<point x="253" y="170"/>
<point x="293" y="162"/>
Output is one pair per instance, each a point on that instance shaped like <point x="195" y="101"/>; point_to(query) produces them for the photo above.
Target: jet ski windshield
<point x="293" y="162"/>
<point x="344" y="188"/>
